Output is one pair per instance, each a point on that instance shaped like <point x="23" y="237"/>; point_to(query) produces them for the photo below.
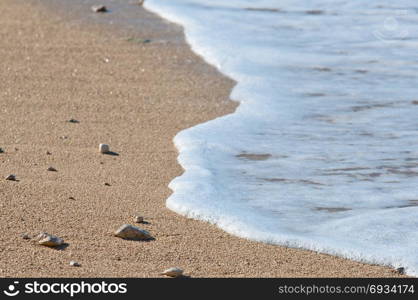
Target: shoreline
<point x="134" y="96"/>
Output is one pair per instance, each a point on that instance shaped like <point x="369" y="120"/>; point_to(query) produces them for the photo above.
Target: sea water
<point x="322" y="152"/>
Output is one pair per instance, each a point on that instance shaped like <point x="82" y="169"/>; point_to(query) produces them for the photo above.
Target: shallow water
<point x="322" y="151"/>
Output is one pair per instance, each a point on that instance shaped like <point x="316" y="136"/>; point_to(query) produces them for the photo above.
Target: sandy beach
<point x="134" y="95"/>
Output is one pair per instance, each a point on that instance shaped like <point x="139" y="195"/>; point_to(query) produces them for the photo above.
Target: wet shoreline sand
<point x="135" y="96"/>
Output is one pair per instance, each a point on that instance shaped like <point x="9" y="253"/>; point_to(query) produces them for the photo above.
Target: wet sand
<point x="134" y="95"/>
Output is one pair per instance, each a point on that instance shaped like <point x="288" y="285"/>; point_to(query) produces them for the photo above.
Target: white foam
<point x="326" y="91"/>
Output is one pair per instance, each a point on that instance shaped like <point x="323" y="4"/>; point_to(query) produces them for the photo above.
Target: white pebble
<point x="130" y="232"/>
<point x="173" y="272"/>
<point x="104" y="148"/>
<point x="49" y="240"/>
<point x="74" y="264"/>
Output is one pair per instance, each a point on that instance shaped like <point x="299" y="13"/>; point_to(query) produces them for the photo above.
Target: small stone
<point x="99" y="8"/>
<point x="139" y="41"/>
<point x="130" y="232"/>
<point x="104" y="148"/>
<point x="11" y="177"/>
<point x="74" y="264"/>
<point x="139" y="219"/>
<point x="73" y="121"/>
<point x="49" y="240"/>
<point x="401" y="270"/>
<point x="48" y="153"/>
<point x="71" y="198"/>
<point x="1" y="150"/>
<point x="173" y="272"/>
<point x="25" y="236"/>
<point x="52" y="169"/>
<point x="107" y="184"/>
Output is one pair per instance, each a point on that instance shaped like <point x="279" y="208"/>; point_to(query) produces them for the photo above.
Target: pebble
<point x="173" y="272"/>
<point x="52" y="169"/>
<point x="139" y="219"/>
<point x="11" y="177"/>
<point x="104" y="148"/>
<point x="73" y="121"/>
<point x="1" y="150"/>
<point x="130" y="232"/>
<point x="48" y="153"/>
<point x="99" y="8"/>
<point x="74" y="264"/>
<point x="49" y="240"/>
<point x="107" y="184"/>
<point x="401" y="270"/>
<point x="25" y="236"/>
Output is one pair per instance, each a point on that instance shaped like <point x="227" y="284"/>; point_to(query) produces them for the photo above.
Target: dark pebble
<point x="99" y="8"/>
<point x="11" y="177"/>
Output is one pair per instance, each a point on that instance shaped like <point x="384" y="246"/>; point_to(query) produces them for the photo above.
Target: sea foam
<point x="322" y="151"/>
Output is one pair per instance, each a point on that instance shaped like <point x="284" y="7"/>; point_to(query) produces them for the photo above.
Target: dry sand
<point x="135" y="97"/>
